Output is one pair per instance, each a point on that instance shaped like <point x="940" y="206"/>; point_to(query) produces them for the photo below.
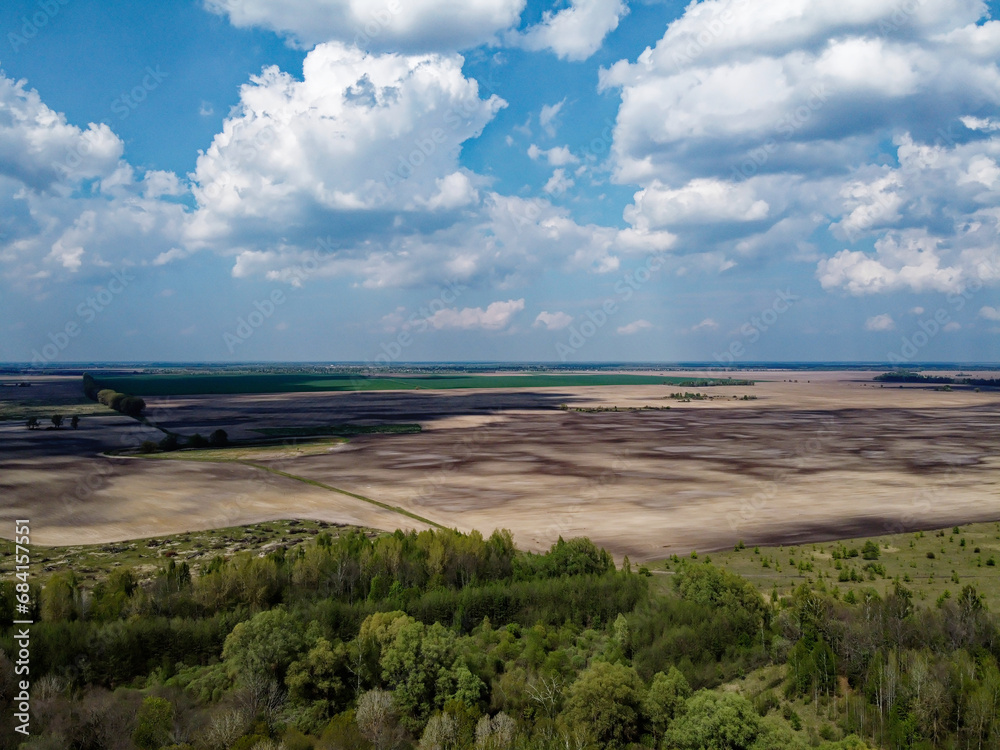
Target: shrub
<point x="170" y="443"/>
<point x="154" y="723"/>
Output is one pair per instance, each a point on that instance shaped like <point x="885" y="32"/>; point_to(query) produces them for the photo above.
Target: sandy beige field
<point x="817" y="455"/>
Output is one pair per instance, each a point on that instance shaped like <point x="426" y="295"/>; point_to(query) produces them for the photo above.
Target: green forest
<point x="446" y="640"/>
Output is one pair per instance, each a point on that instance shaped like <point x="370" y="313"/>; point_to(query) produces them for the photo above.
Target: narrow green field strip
<point x="269" y="450"/>
<point x="19" y="411"/>
<point x="321" y="485"/>
<point x="178" y="456"/>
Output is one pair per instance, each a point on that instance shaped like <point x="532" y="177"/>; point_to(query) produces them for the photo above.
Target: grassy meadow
<point x="935" y="565"/>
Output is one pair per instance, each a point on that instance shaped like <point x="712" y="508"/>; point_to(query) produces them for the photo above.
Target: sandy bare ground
<point x="74" y="495"/>
<point x="835" y="456"/>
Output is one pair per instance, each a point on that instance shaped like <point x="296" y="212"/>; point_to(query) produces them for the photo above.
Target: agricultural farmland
<point x="796" y="457"/>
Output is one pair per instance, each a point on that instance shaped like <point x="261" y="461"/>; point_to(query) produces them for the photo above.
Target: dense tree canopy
<point x="439" y="639"/>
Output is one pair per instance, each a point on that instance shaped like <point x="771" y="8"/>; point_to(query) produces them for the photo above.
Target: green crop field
<point x="208" y="383"/>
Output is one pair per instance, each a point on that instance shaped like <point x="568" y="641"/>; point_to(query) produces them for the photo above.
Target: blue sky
<point x="730" y="180"/>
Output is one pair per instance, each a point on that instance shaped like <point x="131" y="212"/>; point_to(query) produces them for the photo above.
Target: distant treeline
<point x="905" y="376"/>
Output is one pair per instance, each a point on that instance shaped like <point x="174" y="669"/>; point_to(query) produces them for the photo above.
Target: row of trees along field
<point x="57" y="422"/>
<point x="449" y="641"/>
<point x="132" y="406"/>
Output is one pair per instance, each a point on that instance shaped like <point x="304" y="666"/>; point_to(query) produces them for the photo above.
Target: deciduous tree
<point x="605" y="703"/>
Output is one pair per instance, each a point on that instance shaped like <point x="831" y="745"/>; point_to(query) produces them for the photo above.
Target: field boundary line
<point x="330" y="488"/>
<point x="287" y="475"/>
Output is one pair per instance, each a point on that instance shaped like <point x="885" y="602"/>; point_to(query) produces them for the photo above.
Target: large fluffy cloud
<point x="364" y="144"/>
<point x="751" y="125"/>
<point x="69" y="205"/>
<point x="355" y="170"/>
<point x="934" y="218"/>
<point x="406" y="25"/>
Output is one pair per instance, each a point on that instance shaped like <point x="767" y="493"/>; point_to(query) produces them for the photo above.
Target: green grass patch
<point x="92" y="563"/>
<point x="935" y="565"/>
<point x="190" y="384"/>
<point x="340" y="430"/>
<point x="21" y="411"/>
<point x="265" y="452"/>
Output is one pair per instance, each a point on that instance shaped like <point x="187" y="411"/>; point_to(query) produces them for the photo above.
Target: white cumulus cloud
<point x="634" y="327"/>
<point x="495" y="317"/>
<point x="399" y="25"/>
<point x="558" y="183"/>
<point x="750" y="126"/>
<point x="700" y="201"/>
<point x="882" y="322"/>
<point x="70" y="206"/>
<point x="554" y="321"/>
<point x="548" y="117"/>
<point x="576" y="32"/>
<point x="354" y="170"/>
<point x="559" y="156"/>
